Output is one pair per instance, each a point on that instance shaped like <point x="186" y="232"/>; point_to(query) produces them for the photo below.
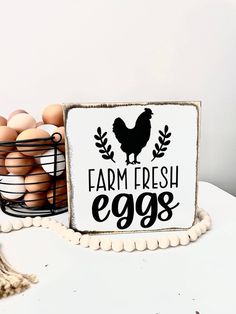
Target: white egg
<point x="50" y="128"/>
<point x="47" y="162"/>
<point x="12" y="187"/>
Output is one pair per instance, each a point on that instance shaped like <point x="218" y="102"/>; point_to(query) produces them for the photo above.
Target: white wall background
<point x="119" y="50"/>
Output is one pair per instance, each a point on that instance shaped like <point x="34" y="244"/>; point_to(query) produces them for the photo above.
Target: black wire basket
<point x="52" y="200"/>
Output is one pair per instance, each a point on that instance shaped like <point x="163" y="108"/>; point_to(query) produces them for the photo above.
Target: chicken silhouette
<point x="135" y="139"/>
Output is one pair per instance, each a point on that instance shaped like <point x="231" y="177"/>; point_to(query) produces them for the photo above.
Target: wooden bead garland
<point x="117" y="245"/>
<point x="12" y="282"/>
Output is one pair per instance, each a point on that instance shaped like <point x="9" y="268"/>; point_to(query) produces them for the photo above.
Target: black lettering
<point x="148" y="220"/>
<point x="110" y="179"/>
<point x="154" y="183"/>
<point x="164" y="203"/>
<point x="97" y="207"/>
<point x="101" y="182"/>
<point x="136" y="184"/>
<point x="164" y="171"/>
<point x="127" y="209"/>
<point x="122" y="177"/>
<point x="172" y="182"/>
<point x="89" y="180"/>
<point x="146" y="177"/>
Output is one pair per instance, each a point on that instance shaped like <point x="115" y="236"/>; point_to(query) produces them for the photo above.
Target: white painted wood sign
<point x="132" y="167"/>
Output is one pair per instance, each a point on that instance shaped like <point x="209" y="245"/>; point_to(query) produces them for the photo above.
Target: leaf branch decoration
<point x="101" y="143"/>
<point x="160" y="148"/>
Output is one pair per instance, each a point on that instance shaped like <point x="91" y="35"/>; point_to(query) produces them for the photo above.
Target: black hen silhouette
<point x="135" y="139"/>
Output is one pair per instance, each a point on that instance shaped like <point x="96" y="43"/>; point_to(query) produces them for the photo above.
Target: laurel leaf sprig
<point x="101" y="143"/>
<point x="161" y="147"/>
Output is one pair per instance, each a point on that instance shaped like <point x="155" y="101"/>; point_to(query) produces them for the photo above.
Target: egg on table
<point x="7" y="135"/>
<point x="21" y="122"/>
<point x="35" y="146"/>
<point x="12" y="187"/>
<point x="47" y="161"/>
<point x="53" y="114"/>
<point x="37" y="180"/>
<point x="35" y="199"/>
<point x="17" y="163"/>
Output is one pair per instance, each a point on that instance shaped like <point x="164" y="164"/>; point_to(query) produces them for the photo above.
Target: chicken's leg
<point x="135" y="159"/>
<point x="127" y="159"/>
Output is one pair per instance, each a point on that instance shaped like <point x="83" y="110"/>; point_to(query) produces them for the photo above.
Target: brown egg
<point x="21" y="122"/>
<point x="32" y="134"/>
<point x="3" y="121"/>
<point x="3" y="169"/>
<point x="7" y="135"/>
<point x="37" y="180"/>
<point x="13" y="113"/>
<point x="53" y="114"/>
<point x="60" y="130"/>
<point x="17" y="163"/>
<point x="35" y="199"/>
<point x="60" y="192"/>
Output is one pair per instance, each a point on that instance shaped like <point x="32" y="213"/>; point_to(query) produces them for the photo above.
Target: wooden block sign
<point x="133" y="166"/>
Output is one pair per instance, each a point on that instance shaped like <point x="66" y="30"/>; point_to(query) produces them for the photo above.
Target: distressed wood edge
<point x="68" y="106"/>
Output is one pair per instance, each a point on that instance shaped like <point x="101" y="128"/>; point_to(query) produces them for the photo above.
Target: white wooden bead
<point x="28" y="221"/>
<point x="84" y="240"/>
<point x="203" y="227"/>
<point x="152" y="244"/>
<point x="52" y="224"/>
<point x="105" y="244"/>
<point x="164" y="242"/>
<point x="174" y="240"/>
<point x="17" y="224"/>
<point x="64" y="233"/>
<point x="37" y="221"/>
<point x="68" y="234"/>
<point x="141" y="244"/>
<point x="207" y="217"/>
<point x="202" y="214"/>
<point x="117" y="245"/>
<point x="207" y="223"/>
<point x="197" y="229"/>
<point x="56" y="227"/>
<point x="184" y="238"/>
<point x="59" y="227"/>
<point x="45" y="222"/>
<point x="76" y="238"/>
<point x="62" y="230"/>
<point x="192" y="234"/>
<point x="94" y="243"/>
<point x="6" y="227"/>
<point x="129" y="245"/>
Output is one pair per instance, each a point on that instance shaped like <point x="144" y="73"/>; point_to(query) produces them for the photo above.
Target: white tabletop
<point x="199" y="277"/>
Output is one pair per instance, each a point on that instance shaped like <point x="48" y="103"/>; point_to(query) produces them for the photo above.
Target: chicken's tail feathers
<point x="120" y="129"/>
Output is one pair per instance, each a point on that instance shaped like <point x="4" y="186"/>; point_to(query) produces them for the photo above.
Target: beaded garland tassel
<point x="12" y="282"/>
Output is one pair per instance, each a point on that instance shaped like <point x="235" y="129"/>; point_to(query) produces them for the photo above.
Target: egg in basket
<point x="32" y="164"/>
